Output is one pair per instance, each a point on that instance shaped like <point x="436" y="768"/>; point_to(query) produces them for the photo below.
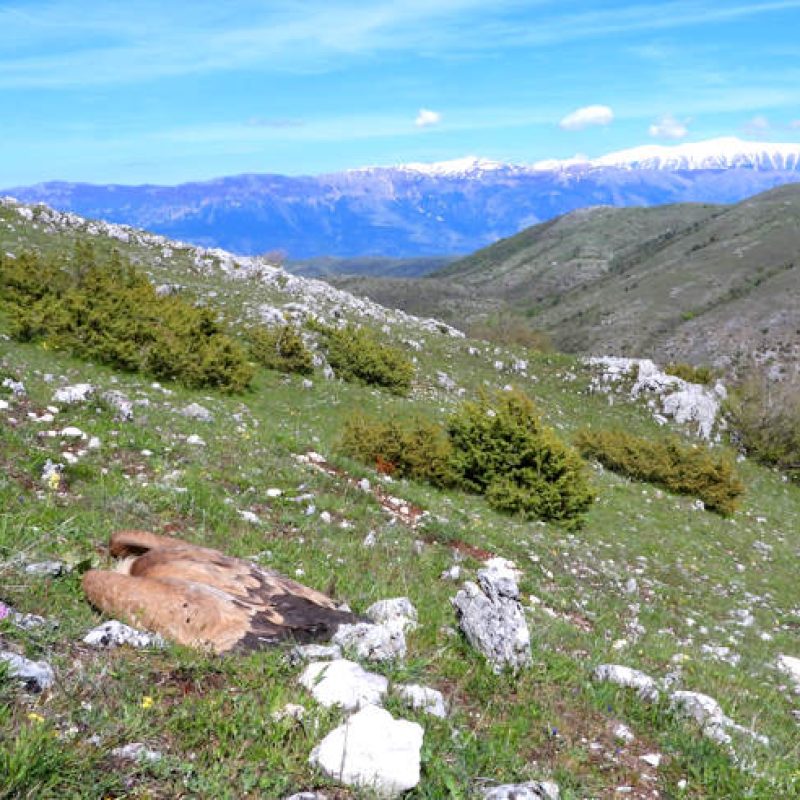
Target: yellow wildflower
<point x="34" y="717"/>
<point x="147" y="701"/>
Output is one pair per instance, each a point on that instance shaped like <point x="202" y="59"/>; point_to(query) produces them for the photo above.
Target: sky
<point x="165" y="92"/>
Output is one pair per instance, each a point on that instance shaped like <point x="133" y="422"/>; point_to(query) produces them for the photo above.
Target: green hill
<point x="650" y="580"/>
<point x="698" y="283"/>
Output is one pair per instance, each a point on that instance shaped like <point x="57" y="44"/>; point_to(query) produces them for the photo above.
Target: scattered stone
<point x="273" y="493"/>
<point x="195" y="440"/>
<point x="652" y="759"/>
<point x="451" y="574"/>
<point x="431" y="701"/>
<point x="17" y="387"/>
<point x="623" y="733"/>
<point x="289" y="711"/>
<point x="708" y="713"/>
<point x="120" y="403"/>
<point x="71" y="395"/>
<point x="343" y="683"/>
<point x="790" y="666"/>
<point x="198" y="412"/>
<point x="307" y="796"/>
<point x="314" y="652"/>
<point x="136" y="751"/>
<point x="370" y="540"/>
<point x="47" y="569"/>
<point x="619" y="675"/>
<point x="492" y="619"/>
<point x="372" y="642"/>
<point x="533" y="790"/>
<point x="372" y="751"/>
<point x="36" y="675"/>
<point x="115" y="633"/>
<point x="398" y="610"/>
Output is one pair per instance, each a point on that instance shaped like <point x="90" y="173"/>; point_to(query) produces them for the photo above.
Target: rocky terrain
<point x="650" y="653"/>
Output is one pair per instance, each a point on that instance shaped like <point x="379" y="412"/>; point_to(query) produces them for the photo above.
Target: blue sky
<point x="164" y="92"/>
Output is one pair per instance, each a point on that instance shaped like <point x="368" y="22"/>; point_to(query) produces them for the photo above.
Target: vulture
<point x="202" y="598"/>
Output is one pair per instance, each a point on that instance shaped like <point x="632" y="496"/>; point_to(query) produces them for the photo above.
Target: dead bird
<point x="202" y="598"/>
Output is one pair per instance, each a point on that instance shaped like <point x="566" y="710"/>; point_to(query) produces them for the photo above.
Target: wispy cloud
<point x="667" y="127"/>
<point x="757" y="126"/>
<point x="587" y="116"/>
<point x="425" y="118"/>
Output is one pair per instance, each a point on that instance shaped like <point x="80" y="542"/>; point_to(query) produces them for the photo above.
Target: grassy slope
<point x="211" y="716"/>
<point x="683" y="282"/>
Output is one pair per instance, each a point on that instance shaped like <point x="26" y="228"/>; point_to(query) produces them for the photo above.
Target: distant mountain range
<point x="412" y="210"/>
<point x="697" y="282"/>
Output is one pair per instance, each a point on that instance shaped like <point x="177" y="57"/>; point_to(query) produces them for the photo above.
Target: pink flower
<point x="4" y="610"/>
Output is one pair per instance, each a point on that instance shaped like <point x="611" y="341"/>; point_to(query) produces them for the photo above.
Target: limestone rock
<point x="115" y="633"/>
<point x="120" y="403"/>
<point x="136" y="751"/>
<point x="395" y="609"/>
<point x="708" y="714"/>
<point x="491" y="617"/>
<point x="790" y="666"/>
<point x="372" y="751"/>
<point x="533" y="790"/>
<point x="46" y="569"/>
<point x="198" y="412"/>
<point x="71" y="395"/>
<point x="36" y="675"/>
<point x="431" y="701"/>
<point x="372" y="642"/>
<point x="619" y="675"/>
<point x="343" y="683"/>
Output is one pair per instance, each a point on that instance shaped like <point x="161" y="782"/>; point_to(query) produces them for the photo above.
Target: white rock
<point x="289" y="711"/>
<point x="46" y="569"/>
<point x="533" y="790"/>
<point x="136" y="751"/>
<point x="198" y="412"/>
<point x="120" y="403"/>
<point x="36" y="675"/>
<point x="343" y="683"/>
<point x="115" y="633"/>
<point x="195" y="440"/>
<point x="3" y="405"/>
<point x="70" y="395"/>
<point x="431" y="701"/>
<point x="17" y="387"/>
<point x="451" y="574"/>
<point x="311" y="652"/>
<point x="395" y="609"/>
<point x="623" y="733"/>
<point x="272" y="493"/>
<point x="71" y="432"/>
<point x="492" y="619"/>
<point x="708" y="713"/>
<point x="653" y="759"/>
<point x="249" y="516"/>
<point x="619" y="675"/>
<point x="372" y="642"/>
<point x="370" y="540"/>
<point x="372" y="751"/>
<point x="790" y="666"/>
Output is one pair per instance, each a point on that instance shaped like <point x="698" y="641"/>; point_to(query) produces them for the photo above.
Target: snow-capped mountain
<point x="445" y="208"/>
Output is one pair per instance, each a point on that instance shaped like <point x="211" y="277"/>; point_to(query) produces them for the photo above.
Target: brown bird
<point x="200" y="597"/>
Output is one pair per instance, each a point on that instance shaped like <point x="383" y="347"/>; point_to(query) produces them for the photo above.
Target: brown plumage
<point x="202" y="598"/>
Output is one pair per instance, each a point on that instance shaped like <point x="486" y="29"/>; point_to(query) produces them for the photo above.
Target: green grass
<point x="211" y="717"/>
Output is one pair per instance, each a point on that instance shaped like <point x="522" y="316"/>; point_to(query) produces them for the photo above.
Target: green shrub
<point x="109" y="312"/>
<point x="764" y="416"/>
<point x="281" y="349"/>
<point x="682" y="469"/>
<point x="502" y="449"/>
<point x="357" y="356"/>
<point x="701" y="374"/>
<point x="414" y="448"/>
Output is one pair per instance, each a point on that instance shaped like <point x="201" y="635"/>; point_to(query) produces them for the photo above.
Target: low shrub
<point x="109" y="312"/>
<point x="682" y="469"/>
<point x="415" y="448"/>
<point x="764" y="416"/>
<point x="701" y="374"/>
<point x="502" y="449"/>
<point x="281" y="349"/>
<point x="497" y="448"/>
<point x="510" y="331"/>
<point x="356" y="355"/>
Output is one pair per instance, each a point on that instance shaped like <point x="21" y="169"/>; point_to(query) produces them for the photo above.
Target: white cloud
<point x="667" y="127"/>
<point x="795" y="123"/>
<point x="586" y="116"/>
<point x="426" y="118"/>
<point x="757" y="126"/>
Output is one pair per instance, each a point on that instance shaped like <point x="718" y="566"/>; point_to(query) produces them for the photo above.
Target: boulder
<point x="372" y="642"/>
<point x="372" y="751"/>
<point x="645" y="686"/>
<point x="36" y="675"/>
<point x="395" y="609"/>
<point x="708" y="714"/>
<point x="71" y="395"/>
<point x="343" y="683"/>
<point x="198" y="412"/>
<point x="492" y="619"/>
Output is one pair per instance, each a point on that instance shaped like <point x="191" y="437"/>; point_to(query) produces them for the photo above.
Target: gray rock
<point x="396" y="609"/>
<point x="36" y="675"/>
<point x="708" y="714"/>
<point x="46" y="569"/>
<point x="71" y="395"/>
<point x="372" y="751"/>
<point x="645" y="686"/>
<point x="307" y="796"/>
<point x="372" y="642"/>
<point x="789" y="665"/>
<point x="136" y="751"/>
<point x="115" y="633"/>
<point x="198" y="412"/>
<point x="120" y="403"/>
<point x="343" y="683"/>
<point x="314" y="652"/>
<point x="491" y="617"/>
<point x="431" y="701"/>
<point x="17" y="387"/>
<point x="533" y="790"/>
